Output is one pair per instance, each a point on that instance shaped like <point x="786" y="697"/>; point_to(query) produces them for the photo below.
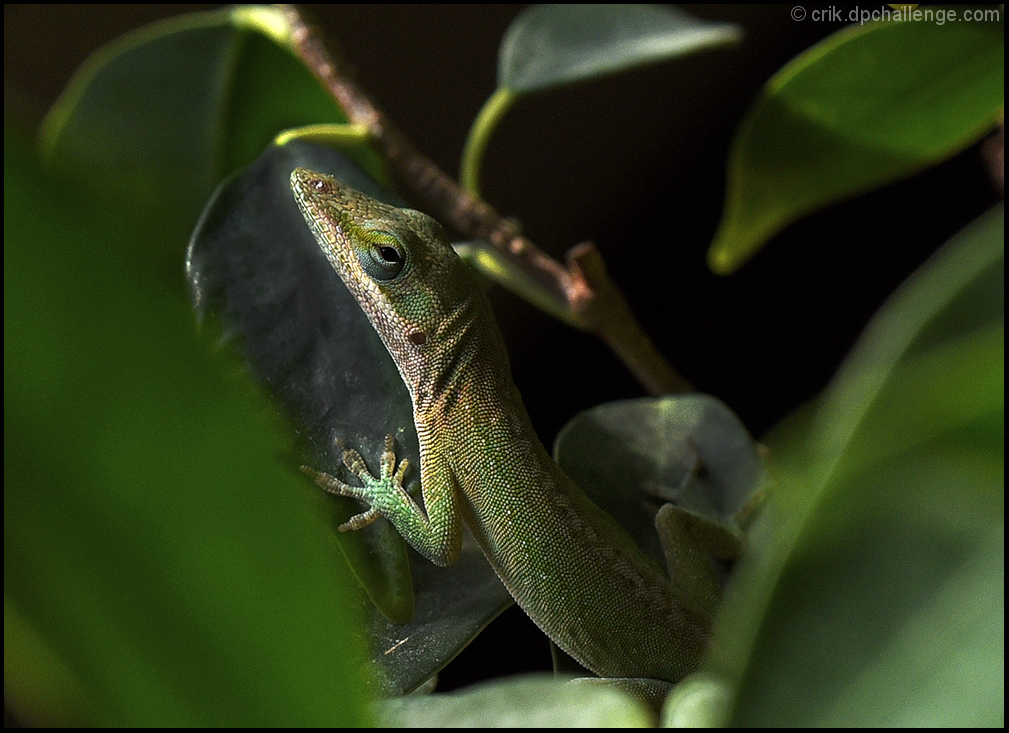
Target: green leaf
<point x="873" y="594"/>
<point x="674" y="472"/>
<point x="868" y="106"/>
<point x="519" y="702"/>
<point x="488" y="260"/>
<point x="38" y="688"/>
<point x="699" y="701"/>
<point x="690" y="450"/>
<point x="177" y="571"/>
<point x="453" y="605"/>
<point x="226" y="83"/>
<point x="548" y="46"/>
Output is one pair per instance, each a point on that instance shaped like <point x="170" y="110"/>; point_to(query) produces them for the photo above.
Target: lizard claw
<point x="328" y="483"/>
<point x="359" y="521"/>
<point x="354" y="463"/>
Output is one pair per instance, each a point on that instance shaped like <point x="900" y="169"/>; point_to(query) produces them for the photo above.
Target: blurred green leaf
<point x="874" y="590"/>
<point x="699" y="701"/>
<point x="869" y="105"/>
<point x="519" y="702"/>
<point x="38" y="687"/>
<point x="548" y="46"/>
<point x="172" y="564"/>
<point x="166" y="112"/>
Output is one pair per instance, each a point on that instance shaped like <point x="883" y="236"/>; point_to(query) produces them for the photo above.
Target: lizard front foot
<point x="373" y="490"/>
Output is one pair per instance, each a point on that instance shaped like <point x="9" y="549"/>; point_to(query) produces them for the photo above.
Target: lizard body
<point x="572" y="569"/>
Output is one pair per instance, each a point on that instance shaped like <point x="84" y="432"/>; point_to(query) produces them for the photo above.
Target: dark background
<point x="635" y="163"/>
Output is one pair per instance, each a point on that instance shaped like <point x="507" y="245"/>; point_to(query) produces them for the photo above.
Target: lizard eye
<point x="384" y="258"/>
<point x="389" y="254"/>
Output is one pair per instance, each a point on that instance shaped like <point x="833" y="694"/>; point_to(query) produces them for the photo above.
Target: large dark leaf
<point x="254" y="263"/>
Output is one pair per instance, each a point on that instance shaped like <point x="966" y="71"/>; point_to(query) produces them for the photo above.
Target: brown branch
<point x="993" y="153"/>
<point x="596" y="302"/>
<point x="600" y="304"/>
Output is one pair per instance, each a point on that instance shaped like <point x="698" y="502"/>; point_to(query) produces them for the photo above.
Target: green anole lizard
<point x="570" y="567"/>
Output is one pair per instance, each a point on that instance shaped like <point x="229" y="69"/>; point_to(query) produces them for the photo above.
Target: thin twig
<point x="993" y="153"/>
<point x="596" y="302"/>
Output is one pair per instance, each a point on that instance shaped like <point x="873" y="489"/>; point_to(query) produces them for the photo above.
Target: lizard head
<point x="397" y="263"/>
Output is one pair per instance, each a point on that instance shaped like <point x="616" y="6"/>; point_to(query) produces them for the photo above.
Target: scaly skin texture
<point x="576" y="573"/>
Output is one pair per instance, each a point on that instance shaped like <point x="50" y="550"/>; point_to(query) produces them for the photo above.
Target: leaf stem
<point x="479" y="135"/>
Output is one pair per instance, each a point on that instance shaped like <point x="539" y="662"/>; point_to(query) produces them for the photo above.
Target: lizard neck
<point x="476" y="420"/>
<point x="461" y="372"/>
<point x="466" y="405"/>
